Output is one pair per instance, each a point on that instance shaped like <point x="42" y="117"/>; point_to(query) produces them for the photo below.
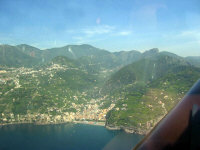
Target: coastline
<point x="53" y="123"/>
<point x="90" y="123"/>
<point x="129" y="130"/>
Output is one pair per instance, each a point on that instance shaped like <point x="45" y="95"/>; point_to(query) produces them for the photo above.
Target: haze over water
<point x="64" y="137"/>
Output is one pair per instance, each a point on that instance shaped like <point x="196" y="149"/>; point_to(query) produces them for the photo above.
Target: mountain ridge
<point x="93" y="54"/>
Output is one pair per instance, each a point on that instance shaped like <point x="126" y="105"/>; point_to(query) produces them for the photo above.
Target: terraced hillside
<point x="147" y="91"/>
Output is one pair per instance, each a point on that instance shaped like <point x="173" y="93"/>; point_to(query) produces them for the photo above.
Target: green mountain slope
<point x="75" y="51"/>
<point x="127" y="57"/>
<point x="141" y="101"/>
<point x="85" y="54"/>
<point x="30" y="50"/>
<point x="144" y="71"/>
<point x="53" y="86"/>
<point x="12" y="56"/>
<point x="194" y="60"/>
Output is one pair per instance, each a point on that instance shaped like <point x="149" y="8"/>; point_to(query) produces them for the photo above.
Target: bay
<point x="64" y="137"/>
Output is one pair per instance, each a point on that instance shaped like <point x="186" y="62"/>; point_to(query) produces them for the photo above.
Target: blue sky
<point x="170" y="25"/>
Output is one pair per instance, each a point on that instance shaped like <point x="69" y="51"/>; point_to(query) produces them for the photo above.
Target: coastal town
<point x="89" y="112"/>
<point x="92" y="115"/>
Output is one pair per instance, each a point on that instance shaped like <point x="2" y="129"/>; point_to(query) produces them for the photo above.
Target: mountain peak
<point x="23" y="46"/>
<point x="151" y="52"/>
<point x="6" y="45"/>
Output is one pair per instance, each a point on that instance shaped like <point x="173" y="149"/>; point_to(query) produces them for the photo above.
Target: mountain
<point x="151" y="52"/>
<point x="97" y="58"/>
<point x="148" y="89"/>
<point x="82" y="83"/>
<point x="27" y="55"/>
<point x="140" y="108"/>
<point x="30" y="50"/>
<point x="11" y="56"/>
<point x="145" y="70"/>
<point x="127" y="57"/>
<point x="194" y="60"/>
<point x="86" y="54"/>
<point x="64" y="61"/>
<point x="54" y="86"/>
<point x="77" y="51"/>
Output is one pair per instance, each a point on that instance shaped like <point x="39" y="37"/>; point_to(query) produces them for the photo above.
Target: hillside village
<point x="89" y="111"/>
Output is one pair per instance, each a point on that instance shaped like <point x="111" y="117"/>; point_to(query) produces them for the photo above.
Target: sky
<point x="114" y="25"/>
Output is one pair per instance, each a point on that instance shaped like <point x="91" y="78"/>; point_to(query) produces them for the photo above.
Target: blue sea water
<point x="64" y="137"/>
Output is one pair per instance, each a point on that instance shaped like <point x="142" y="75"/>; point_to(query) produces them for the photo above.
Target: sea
<point x="65" y="137"/>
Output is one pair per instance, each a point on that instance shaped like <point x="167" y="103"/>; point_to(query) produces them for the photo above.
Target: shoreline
<point x="129" y="130"/>
<point x="50" y="123"/>
<point x="94" y="123"/>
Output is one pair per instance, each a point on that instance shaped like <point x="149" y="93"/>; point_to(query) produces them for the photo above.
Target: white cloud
<point x="92" y="31"/>
<point x="96" y="33"/>
<point x="190" y="36"/>
<point x="124" y="33"/>
<point x="183" y="43"/>
<point x="190" y="33"/>
<point x="97" y="30"/>
<point x="84" y="39"/>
